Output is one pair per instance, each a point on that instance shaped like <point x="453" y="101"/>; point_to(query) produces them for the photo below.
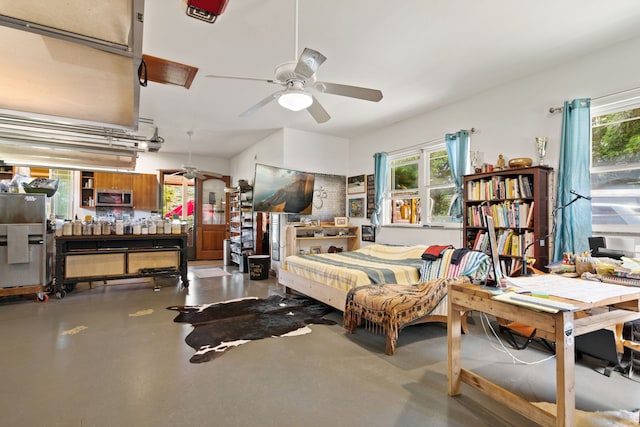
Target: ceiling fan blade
<point x="309" y="62"/>
<point x="350" y="91"/>
<point x="218" y="76"/>
<point x="318" y="112"/>
<point x="261" y="104"/>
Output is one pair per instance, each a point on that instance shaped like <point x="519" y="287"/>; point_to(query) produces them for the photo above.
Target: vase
<point x="541" y="144"/>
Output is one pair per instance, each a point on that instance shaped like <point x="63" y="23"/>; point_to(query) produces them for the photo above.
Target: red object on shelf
<point x="206" y="10"/>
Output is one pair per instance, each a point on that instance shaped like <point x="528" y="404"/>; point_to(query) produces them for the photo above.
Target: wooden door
<point x="212" y="217"/>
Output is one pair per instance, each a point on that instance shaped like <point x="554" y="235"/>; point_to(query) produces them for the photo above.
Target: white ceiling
<point x="422" y="54"/>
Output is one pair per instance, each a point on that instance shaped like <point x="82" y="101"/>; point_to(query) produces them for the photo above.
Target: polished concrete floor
<point x="112" y="356"/>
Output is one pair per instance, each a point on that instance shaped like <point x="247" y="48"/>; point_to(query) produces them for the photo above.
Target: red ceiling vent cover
<point x="206" y="10"/>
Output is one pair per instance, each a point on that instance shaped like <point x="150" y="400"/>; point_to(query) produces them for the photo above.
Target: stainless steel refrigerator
<point x="23" y="228"/>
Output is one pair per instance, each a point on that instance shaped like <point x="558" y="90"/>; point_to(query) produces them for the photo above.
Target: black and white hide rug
<point x="221" y="326"/>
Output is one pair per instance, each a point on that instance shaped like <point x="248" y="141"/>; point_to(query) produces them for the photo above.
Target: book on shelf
<point x="529" y="222"/>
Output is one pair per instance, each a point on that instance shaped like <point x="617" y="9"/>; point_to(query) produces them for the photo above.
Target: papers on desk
<point x="542" y="304"/>
<point x="567" y="287"/>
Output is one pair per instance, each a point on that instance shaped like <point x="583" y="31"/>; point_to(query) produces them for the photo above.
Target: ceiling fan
<point x="190" y="170"/>
<point x="297" y="77"/>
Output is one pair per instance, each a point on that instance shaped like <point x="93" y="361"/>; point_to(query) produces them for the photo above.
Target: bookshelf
<point x="318" y="239"/>
<point x="241" y="226"/>
<point x="518" y="201"/>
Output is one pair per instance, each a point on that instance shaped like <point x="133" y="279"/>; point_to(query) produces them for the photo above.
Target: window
<point x="615" y="164"/>
<point x="405" y="190"/>
<point x="178" y="197"/>
<point x="62" y="201"/>
<point x="441" y="188"/>
<point x="421" y="187"/>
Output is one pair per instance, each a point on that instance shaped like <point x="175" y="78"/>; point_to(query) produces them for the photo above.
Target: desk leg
<point x="453" y="348"/>
<point x="565" y="369"/>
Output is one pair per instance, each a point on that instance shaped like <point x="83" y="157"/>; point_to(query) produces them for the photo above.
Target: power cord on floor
<point x="484" y="320"/>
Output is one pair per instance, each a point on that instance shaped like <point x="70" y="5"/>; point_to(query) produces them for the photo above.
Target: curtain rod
<point x="433" y="141"/>
<point x="553" y="110"/>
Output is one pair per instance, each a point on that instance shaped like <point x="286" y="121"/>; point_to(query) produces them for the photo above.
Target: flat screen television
<point x="282" y="190"/>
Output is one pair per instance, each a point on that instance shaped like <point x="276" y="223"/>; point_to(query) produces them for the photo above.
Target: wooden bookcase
<point x="518" y="201"/>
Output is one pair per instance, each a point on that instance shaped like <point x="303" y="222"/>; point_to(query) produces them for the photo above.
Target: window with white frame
<point x="615" y="162"/>
<point x="62" y="200"/>
<point x="421" y="187"/>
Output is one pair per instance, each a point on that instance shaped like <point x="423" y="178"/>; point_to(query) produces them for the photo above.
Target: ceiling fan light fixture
<point x="295" y="100"/>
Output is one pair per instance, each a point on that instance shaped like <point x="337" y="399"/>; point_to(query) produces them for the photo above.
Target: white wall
<point x="315" y="153"/>
<point x="293" y="149"/>
<point x="152" y="162"/>
<point x="269" y="151"/>
<point x="506" y="119"/>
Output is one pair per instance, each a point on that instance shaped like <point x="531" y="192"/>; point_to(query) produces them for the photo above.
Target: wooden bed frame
<point x="337" y="298"/>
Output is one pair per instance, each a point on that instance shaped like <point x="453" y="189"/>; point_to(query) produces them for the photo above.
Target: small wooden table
<point x="562" y="327"/>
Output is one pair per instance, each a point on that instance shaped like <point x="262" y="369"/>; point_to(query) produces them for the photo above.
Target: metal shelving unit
<point x="241" y="226"/>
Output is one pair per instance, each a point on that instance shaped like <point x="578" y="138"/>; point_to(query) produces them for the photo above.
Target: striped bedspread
<point x="371" y="264"/>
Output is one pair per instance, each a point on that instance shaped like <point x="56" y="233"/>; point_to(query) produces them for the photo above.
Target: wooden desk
<point x="563" y="326"/>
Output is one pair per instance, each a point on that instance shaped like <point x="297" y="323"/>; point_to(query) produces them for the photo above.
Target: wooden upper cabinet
<point x="113" y="181"/>
<point x="145" y="192"/>
<point x="143" y="185"/>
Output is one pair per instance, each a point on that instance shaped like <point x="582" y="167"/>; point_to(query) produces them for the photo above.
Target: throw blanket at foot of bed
<point x="389" y="308"/>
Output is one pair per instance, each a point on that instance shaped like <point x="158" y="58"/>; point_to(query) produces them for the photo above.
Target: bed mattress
<point x="371" y="264"/>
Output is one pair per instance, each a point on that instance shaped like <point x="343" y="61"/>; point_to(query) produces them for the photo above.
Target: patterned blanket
<point x="389" y="308"/>
<point x="371" y="264"/>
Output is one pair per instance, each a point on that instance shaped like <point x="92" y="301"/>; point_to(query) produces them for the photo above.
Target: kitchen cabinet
<point x="111" y="257"/>
<point x="145" y="192"/>
<point x="6" y="172"/>
<point x="144" y="186"/>
<point x="113" y="181"/>
<point x="87" y="190"/>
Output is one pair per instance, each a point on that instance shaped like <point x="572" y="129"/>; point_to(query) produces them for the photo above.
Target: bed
<point x="330" y="277"/>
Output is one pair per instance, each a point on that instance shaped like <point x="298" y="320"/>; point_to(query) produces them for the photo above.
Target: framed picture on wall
<point x="355" y="184"/>
<point x="368" y="233"/>
<point x="341" y="221"/>
<point x="356" y="207"/>
<point x="371" y="204"/>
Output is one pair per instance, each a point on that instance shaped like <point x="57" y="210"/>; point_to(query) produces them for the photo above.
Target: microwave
<point x="114" y="198"/>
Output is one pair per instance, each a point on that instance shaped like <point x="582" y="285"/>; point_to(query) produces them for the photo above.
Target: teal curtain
<point x="573" y="223"/>
<point x="458" y="153"/>
<point x="381" y="171"/>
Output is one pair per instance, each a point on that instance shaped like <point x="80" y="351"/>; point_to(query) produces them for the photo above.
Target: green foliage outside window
<point x="439" y="169"/>
<point x="405" y="173"/>
<point x="616" y="138"/>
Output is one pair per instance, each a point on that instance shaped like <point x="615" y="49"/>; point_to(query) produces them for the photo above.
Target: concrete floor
<point x="127" y="365"/>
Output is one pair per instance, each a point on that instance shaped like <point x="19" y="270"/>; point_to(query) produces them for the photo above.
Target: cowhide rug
<point x="221" y="326"/>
